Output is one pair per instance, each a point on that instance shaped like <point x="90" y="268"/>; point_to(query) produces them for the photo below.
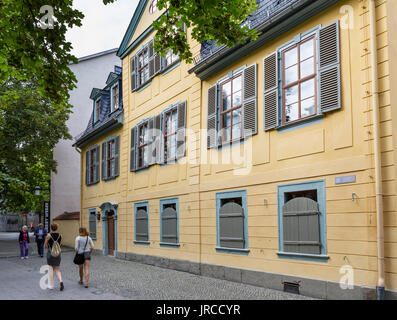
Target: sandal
<point x="80" y="282"/>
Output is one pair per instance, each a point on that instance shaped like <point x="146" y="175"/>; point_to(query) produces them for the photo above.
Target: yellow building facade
<point x="229" y="208"/>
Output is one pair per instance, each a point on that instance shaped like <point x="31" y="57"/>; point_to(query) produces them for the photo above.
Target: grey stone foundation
<point x="321" y="289"/>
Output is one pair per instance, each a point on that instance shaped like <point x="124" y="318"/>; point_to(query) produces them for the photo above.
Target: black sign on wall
<point x="46" y="214"/>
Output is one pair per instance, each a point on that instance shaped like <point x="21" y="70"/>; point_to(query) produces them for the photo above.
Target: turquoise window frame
<point x="90" y="211"/>
<point x="111" y="97"/>
<point x="108" y="179"/>
<point x="320" y="187"/>
<point x="317" y="118"/>
<point x="163" y="202"/>
<point x="95" y="101"/>
<point x="227" y="195"/>
<point x="136" y="205"/>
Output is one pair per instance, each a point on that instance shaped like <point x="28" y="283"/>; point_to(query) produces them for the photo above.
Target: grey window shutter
<point x="104" y="164"/>
<point x="270" y="99"/>
<point x="133" y="150"/>
<point x="87" y="168"/>
<point x="92" y="224"/>
<point x="117" y="156"/>
<point x="133" y="72"/>
<point x="156" y="150"/>
<point x="151" y="59"/>
<point x="161" y="155"/>
<point x="141" y="225"/>
<point x="212" y="117"/>
<point x="249" y="103"/>
<point x="301" y="228"/>
<point x="97" y="164"/>
<point x="151" y="145"/>
<point x="169" y="223"/>
<point x="181" y="131"/>
<point x="329" y="68"/>
<point x="231" y="226"/>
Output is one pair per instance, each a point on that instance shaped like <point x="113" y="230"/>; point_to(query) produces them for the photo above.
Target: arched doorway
<point x="109" y="229"/>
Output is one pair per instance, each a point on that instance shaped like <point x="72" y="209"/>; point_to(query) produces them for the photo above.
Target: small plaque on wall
<point x="345" y="179"/>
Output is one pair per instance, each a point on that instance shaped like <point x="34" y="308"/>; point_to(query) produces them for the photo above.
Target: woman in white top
<point x="84" y="245"/>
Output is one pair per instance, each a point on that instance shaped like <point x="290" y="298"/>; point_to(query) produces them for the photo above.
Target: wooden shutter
<point x="156" y="150"/>
<point x="212" y="117"/>
<point x="104" y="164"/>
<point x="301" y="228"/>
<point x="87" y="168"/>
<point x="92" y="224"/>
<point x="133" y="150"/>
<point x="169" y="223"/>
<point x="141" y="225"/>
<point x="231" y="226"/>
<point x="133" y="72"/>
<point x="152" y="55"/>
<point x="150" y="143"/>
<point x="97" y="164"/>
<point x="181" y="131"/>
<point x="270" y="99"/>
<point x="116" y="156"/>
<point x="329" y="68"/>
<point x="249" y="102"/>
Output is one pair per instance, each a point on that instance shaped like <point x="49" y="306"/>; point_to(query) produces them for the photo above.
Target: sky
<point x="103" y="27"/>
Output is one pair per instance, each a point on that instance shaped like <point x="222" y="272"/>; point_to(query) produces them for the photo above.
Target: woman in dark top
<point x="53" y="262"/>
<point x="24" y="242"/>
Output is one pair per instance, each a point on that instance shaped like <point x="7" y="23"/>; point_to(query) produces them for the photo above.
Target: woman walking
<point x="24" y="242"/>
<point x="53" y="262"/>
<point x="84" y="246"/>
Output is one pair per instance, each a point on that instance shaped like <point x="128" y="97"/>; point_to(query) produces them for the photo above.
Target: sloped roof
<point x="68" y="216"/>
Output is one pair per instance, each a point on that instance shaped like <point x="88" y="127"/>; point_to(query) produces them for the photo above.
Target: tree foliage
<point x="217" y="20"/>
<point x="35" y="81"/>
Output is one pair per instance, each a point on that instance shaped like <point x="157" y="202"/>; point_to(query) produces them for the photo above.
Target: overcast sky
<point x="103" y="27"/>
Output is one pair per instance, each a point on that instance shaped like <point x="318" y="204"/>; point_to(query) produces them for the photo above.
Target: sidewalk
<point x="20" y="282"/>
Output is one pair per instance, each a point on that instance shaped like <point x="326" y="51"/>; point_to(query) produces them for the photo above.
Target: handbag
<point x="79" y="257"/>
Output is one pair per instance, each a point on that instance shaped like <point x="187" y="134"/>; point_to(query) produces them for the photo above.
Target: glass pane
<point x="226" y="103"/>
<point x="168" y="123"/>
<point x="307" y="68"/>
<point x="307" y="89"/>
<point x="237" y="84"/>
<point x="291" y="95"/>
<point x="291" y="57"/>
<point x="291" y="75"/>
<point x="145" y="154"/>
<point x="174" y="120"/>
<point x="140" y="158"/>
<point x="236" y="131"/>
<point x="141" y="133"/>
<point x="308" y="107"/>
<point x="172" y="151"/>
<point x="140" y="61"/>
<point x="225" y="134"/>
<point x="146" y="135"/>
<point x="236" y="116"/>
<point x="226" y="122"/>
<point x="236" y="99"/>
<point x="307" y="50"/>
<point x="226" y="89"/>
<point x="291" y="112"/>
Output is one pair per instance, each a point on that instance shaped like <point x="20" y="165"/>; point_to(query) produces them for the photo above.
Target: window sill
<point x="300" y="124"/>
<point x="142" y="242"/>
<point x="169" y="245"/>
<point x="144" y="86"/>
<point x="92" y="184"/>
<point x="233" y="250"/>
<point x="110" y="179"/>
<point x="171" y="67"/>
<point x="303" y="256"/>
<point x="230" y="144"/>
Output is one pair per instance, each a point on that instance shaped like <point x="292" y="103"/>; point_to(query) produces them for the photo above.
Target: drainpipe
<point x="81" y="177"/>
<point x="377" y="155"/>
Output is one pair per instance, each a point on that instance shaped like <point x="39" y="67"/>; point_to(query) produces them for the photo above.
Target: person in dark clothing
<point x="41" y="234"/>
<point x="53" y="262"/>
<point x="24" y="242"/>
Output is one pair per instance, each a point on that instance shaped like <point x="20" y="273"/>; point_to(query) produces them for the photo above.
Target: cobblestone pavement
<point x="132" y="280"/>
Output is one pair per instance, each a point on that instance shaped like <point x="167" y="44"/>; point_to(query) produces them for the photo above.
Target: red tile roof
<point x="68" y="216"/>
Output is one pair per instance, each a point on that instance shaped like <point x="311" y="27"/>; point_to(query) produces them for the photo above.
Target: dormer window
<point x="115" y="97"/>
<point x="153" y="6"/>
<point x="97" y="110"/>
